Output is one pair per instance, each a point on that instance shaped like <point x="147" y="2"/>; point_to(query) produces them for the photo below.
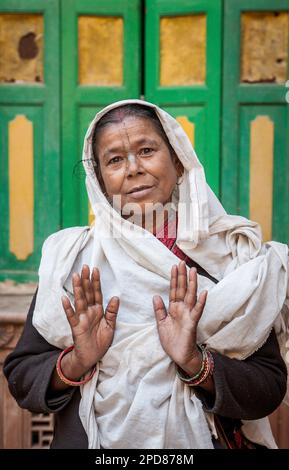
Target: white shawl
<point x="135" y="399"/>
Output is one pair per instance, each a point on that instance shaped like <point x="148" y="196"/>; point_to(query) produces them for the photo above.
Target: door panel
<point x="94" y="49"/>
<point x="30" y="127"/>
<point x="192" y="119"/>
<point x="101" y="64"/>
<point x="183" y="71"/>
<point x="255" y="133"/>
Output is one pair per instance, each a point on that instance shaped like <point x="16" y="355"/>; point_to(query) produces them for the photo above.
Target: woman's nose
<point x="133" y="165"/>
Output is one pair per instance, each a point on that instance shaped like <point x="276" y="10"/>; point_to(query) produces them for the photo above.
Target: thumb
<point x="159" y="308"/>
<point x="111" y="311"/>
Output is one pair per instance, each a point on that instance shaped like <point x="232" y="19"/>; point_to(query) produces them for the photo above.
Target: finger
<point x="71" y="315"/>
<point x="159" y="308"/>
<point x="96" y="285"/>
<point x="111" y="311"/>
<point x="182" y="282"/>
<point x="95" y="312"/>
<point x="199" y="307"/>
<point x="173" y="283"/>
<point x="80" y="302"/>
<point x="87" y="285"/>
<point x="191" y="295"/>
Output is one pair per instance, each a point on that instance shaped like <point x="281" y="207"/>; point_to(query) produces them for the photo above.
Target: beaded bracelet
<point x="205" y="372"/>
<point x="62" y="376"/>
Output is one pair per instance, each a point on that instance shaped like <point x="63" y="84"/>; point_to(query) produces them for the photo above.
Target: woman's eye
<point x="114" y="160"/>
<point x="146" y="151"/>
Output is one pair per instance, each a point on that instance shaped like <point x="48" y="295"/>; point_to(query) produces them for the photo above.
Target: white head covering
<point x="136" y="400"/>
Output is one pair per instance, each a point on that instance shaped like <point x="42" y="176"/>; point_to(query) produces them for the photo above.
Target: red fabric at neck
<point x="170" y="242"/>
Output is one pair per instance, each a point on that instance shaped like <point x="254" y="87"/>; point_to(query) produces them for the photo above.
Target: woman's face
<point x="133" y="155"/>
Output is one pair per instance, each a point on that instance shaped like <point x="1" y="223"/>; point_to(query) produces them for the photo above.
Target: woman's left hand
<point x="177" y="327"/>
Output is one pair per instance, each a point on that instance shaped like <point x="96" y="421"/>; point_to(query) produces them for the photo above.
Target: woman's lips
<point x="141" y="193"/>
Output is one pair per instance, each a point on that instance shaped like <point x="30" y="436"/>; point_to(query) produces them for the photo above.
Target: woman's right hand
<point x="92" y="329"/>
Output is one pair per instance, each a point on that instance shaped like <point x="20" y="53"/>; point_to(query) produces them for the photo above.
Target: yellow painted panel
<point x="21" y="187"/>
<point x="183" y="50"/>
<point x="264" y="47"/>
<point x="21" y="48"/>
<point x="261" y="173"/>
<point x="188" y="127"/>
<point x="100" y="50"/>
<point x="91" y="215"/>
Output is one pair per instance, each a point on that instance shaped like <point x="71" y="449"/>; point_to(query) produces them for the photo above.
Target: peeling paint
<point x="21" y="48"/>
<point x="27" y="47"/>
<point x="264" y="47"/>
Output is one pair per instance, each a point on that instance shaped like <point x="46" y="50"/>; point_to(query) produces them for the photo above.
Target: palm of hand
<point x="177" y="327"/>
<point x="92" y="330"/>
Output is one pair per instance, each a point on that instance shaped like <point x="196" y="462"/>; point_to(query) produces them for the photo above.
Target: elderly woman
<point x="157" y="326"/>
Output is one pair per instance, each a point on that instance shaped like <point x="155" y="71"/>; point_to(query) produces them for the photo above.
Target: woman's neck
<point x="156" y="219"/>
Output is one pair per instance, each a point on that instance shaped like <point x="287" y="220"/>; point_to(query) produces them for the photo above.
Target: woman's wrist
<point x="71" y="367"/>
<point x="199" y="375"/>
<point x="192" y="367"/>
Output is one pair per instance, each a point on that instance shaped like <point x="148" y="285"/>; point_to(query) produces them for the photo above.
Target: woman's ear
<point x="178" y="165"/>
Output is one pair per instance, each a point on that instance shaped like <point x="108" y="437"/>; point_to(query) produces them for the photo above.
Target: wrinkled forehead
<point x="128" y="133"/>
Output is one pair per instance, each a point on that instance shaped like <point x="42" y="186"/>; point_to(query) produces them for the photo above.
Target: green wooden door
<point x="100" y="64"/>
<point x="30" y="128"/>
<point x="150" y="69"/>
<point x="183" y="71"/>
<point x="63" y="60"/>
<point x="255" y="133"/>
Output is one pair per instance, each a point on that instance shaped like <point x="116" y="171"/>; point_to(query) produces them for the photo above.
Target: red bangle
<point x="207" y="370"/>
<point x="62" y="376"/>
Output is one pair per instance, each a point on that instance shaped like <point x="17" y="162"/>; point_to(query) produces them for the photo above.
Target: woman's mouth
<point x="140" y="192"/>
